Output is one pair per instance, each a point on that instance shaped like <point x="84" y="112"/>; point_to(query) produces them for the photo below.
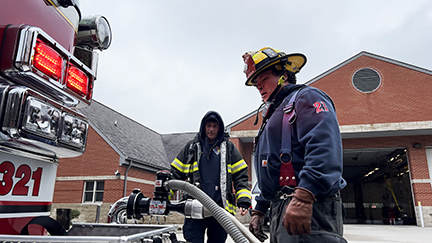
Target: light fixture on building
<point x="371" y="172"/>
<point x="417" y="145"/>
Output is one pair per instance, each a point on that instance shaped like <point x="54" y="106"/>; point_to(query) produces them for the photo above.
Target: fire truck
<point x="48" y="65"/>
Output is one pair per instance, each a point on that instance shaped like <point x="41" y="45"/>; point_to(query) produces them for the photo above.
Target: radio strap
<point x="287" y="173"/>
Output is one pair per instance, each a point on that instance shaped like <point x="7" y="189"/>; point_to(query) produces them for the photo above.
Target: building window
<point x="93" y="191"/>
<point x="366" y="80"/>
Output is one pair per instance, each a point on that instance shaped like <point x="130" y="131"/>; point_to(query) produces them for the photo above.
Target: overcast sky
<point x="171" y="61"/>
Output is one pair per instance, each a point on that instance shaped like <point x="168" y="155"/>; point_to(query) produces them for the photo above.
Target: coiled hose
<point x="211" y="205"/>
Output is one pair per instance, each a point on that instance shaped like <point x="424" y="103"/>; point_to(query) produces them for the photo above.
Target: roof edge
<point x="143" y="165"/>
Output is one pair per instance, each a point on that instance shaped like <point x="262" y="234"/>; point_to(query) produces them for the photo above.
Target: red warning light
<point x="47" y="60"/>
<point x="77" y="81"/>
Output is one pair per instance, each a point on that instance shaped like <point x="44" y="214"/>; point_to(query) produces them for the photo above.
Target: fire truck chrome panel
<point x="36" y="124"/>
<point x="24" y="72"/>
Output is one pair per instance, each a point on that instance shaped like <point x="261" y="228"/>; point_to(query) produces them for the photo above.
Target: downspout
<point x="125" y="178"/>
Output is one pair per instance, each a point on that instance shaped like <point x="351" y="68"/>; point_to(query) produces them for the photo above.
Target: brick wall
<point x="398" y="99"/>
<point x="248" y="124"/>
<point x="68" y="191"/>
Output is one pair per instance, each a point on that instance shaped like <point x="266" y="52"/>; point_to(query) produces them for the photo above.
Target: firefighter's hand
<point x="255" y="226"/>
<point x="242" y="211"/>
<point x="298" y="213"/>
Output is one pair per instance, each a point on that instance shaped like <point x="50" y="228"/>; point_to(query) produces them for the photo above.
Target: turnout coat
<point x="230" y="168"/>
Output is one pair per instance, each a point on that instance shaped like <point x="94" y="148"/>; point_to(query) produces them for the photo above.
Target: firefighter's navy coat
<point x="315" y="145"/>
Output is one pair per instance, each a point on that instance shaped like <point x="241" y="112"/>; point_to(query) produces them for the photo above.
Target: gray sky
<point x="171" y="61"/>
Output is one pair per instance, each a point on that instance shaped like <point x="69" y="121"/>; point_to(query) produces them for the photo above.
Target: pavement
<point x="372" y="233"/>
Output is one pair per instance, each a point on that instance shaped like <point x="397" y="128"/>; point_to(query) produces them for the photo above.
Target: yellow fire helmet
<point x="258" y="61"/>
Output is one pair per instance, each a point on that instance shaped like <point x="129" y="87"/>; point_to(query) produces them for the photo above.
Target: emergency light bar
<point x="44" y="65"/>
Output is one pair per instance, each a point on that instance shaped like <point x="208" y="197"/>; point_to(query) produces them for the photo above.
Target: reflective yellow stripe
<point x="243" y="193"/>
<point x="240" y="165"/>
<point x="230" y="207"/>
<point x="194" y="166"/>
<point x="179" y="165"/>
<point x="184" y="168"/>
<point x="171" y="195"/>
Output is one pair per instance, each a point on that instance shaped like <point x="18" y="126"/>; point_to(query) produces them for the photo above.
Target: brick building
<point x="386" y="129"/>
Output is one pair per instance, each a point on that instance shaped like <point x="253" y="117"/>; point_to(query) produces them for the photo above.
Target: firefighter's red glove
<point x="256" y="223"/>
<point x="298" y="213"/>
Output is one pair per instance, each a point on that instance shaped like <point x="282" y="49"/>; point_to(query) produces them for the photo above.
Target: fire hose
<point x="234" y="228"/>
<point x="138" y="205"/>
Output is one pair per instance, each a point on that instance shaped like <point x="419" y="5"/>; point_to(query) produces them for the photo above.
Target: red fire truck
<point x="48" y="64"/>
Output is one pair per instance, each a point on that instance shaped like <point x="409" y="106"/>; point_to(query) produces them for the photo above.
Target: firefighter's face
<point x="266" y="83"/>
<point x="211" y="130"/>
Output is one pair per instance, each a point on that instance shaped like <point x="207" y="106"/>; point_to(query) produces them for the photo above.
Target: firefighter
<point x="213" y="163"/>
<point x="298" y="153"/>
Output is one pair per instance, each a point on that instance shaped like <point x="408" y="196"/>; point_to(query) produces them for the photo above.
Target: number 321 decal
<point x="23" y="172"/>
<point x="320" y="106"/>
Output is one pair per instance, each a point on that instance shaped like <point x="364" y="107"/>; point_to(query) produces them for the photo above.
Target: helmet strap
<point x="280" y="83"/>
<point x="273" y="94"/>
<point x="258" y="110"/>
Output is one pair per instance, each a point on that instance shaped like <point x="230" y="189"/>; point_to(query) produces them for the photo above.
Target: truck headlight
<point x="74" y="131"/>
<point x="41" y="118"/>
